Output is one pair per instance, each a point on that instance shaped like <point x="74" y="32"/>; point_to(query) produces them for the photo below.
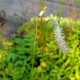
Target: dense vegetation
<point x="32" y="54"/>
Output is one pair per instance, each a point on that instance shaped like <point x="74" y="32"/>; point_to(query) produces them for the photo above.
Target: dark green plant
<point x="19" y="60"/>
<point x="36" y="56"/>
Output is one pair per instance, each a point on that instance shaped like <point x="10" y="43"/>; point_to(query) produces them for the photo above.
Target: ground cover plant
<point x="33" y="54"/>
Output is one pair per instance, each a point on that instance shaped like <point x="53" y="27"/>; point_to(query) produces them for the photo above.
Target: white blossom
<point x="59" y="37"/>
<point x="41" y="13"/>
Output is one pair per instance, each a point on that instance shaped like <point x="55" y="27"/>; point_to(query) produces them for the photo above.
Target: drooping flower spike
<point x="59" y="37"/>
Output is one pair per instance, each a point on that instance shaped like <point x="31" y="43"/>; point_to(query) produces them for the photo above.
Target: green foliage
<point x="58" y="65"/>
<point x="18" y="61"/>
<point x="35" y="55"/>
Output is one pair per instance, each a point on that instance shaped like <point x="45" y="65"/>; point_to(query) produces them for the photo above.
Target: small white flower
<point x="41" y="13"/>
<point x="59" y="37"/>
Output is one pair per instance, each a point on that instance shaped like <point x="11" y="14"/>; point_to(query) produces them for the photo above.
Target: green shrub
<point x="35" y="56"/>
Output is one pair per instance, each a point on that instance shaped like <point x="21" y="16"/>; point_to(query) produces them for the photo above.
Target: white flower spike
<point x="59" y="37"/>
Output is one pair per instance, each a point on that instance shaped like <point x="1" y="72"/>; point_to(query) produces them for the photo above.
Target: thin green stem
<point x="76" y="20"/>
<point x="57" y="8"/>
<point x="76" y="27"/>
<point x="33" y="60"/>
<point x="42" y="4"/>
<point x="2" y="53"/>
<point x="75" y="13"/>
<point x="1" y="41"/>
<point x="42" y="9"/>
<point x="61" y="10"/>
<point x="74" y="55"/>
